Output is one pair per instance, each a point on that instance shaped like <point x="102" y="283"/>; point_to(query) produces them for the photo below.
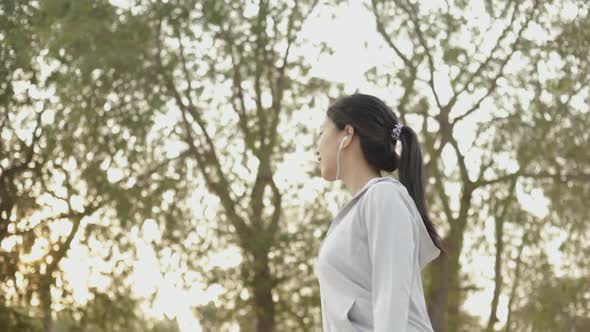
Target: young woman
<point x="370" y="261"/>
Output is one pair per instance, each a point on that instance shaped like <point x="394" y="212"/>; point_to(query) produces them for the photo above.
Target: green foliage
<point x="111" y="89"/>
<point x="17" y="319"/>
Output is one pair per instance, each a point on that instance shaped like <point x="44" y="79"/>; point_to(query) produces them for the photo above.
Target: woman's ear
<point x="348" y="133"/>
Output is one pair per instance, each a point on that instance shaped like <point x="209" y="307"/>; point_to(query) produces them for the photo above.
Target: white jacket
<point x="369" y="263"/>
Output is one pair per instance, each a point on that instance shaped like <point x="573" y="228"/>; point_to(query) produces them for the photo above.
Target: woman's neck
<point x="356" y="182"/>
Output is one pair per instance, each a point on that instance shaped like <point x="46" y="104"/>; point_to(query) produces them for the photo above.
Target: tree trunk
<point x="454" y="296"/>
<point x="444" y="291"/>
<point x="498" y="273"/>
<point x="515" y="283"/>
<point x="438" y="293"/>
<point x="263" y="303"/>
<point x="45" y="298"/>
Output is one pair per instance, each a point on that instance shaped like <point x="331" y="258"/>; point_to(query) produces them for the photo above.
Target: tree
<point x="183" y="114"/>
<point x="453" y="73"/>
<point x="250" y="49"/>
<point x="117" y="72"/>
<point x="56" y="160"/>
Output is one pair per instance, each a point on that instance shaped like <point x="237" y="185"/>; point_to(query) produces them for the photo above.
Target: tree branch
<point x="493" y="84"/>
<point x="444" y="198"/>
<point x="219" y="186"/>
<point x="412" y="12"/>
<point x="388" y="40"/>
<point x="485" y="63"/>
<point x="585" y="177"/>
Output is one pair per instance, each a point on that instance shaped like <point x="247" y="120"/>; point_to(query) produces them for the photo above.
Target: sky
<point x="357" y="48"/>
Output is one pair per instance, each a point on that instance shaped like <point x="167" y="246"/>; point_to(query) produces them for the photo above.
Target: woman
<point x="370" y="261"/>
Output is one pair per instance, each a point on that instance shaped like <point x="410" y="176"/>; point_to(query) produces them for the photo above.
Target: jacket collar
<point x="350" y="203"/>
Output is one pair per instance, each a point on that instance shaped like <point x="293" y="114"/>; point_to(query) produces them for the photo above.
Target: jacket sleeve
<point x="390" y="231"/>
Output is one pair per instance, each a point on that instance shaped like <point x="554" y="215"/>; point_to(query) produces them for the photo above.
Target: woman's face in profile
<point x="327" y="149"/>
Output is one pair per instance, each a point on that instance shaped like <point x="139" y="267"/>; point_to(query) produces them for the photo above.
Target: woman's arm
<point x="390" y="231"/>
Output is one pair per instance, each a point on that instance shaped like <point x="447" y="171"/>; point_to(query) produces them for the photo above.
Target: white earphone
<point x="338" y="157"/>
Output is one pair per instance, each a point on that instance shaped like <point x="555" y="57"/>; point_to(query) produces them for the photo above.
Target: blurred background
<point x="158" y="169"/>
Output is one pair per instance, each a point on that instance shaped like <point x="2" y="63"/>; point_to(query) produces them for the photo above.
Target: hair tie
<point x="396" y="132"/>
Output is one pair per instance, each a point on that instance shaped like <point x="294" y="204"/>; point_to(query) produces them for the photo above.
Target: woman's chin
<point x="328" y="176"/>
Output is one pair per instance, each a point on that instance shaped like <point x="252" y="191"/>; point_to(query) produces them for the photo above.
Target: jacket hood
<point x="427" y="250"/>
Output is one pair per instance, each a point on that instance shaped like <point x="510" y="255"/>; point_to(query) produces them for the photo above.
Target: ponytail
<point x="411" y="175"/>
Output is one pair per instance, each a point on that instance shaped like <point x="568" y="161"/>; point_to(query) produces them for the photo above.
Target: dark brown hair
<point x="373" y="121"/>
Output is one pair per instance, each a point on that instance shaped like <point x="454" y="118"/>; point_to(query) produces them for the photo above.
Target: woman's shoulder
<point x="387" y="194"/>
<point x="385" y="188"/>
